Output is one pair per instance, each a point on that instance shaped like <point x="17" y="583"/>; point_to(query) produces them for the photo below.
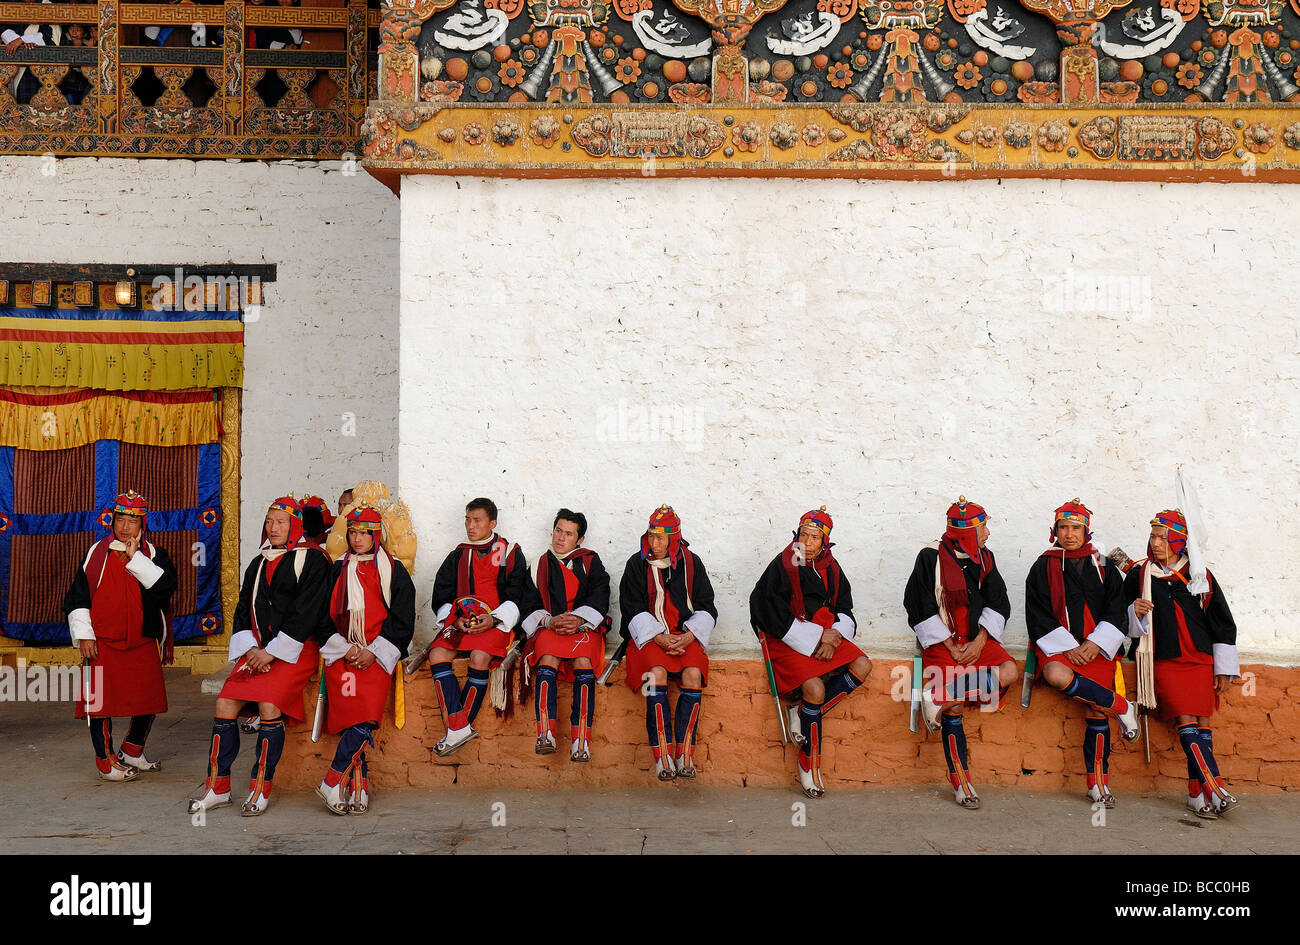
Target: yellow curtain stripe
<point x="106" y="417"/>
<point x="121" y="367"/>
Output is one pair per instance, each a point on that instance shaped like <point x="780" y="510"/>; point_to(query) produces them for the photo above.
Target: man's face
<point x="126" y="527"/>
<point x="564" y="537"/>
<point x="1070" y="535"/>
<point x="1160" y="543"/>
<point x="361" y="542"/>
<point x="658" y="545"/>
<point x="812" y="540"/>
<point x="982" y="533"/>
<point x="478" y="526"/>
<point x="345" y="499"/>
<point x="76" y="32"/>
<point x="277" y="527"/>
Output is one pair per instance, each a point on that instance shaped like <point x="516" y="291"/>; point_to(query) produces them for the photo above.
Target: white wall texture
<point x="746" y="350"/>
<point x="324" y="345"/>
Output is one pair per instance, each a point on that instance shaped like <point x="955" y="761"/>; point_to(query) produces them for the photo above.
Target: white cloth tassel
<point x="497" y="688"/>
<point x="1185" y="494"/>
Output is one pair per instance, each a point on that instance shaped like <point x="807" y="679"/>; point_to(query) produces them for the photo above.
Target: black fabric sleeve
<point x="995" y="593"/>
<point x="844" y="602"/>
<point x="1116" y="605"/>
<point x="631" y="594"/>
<point x="78" y="595"/>
<point x="399" y="625"/>
<point x="1132" y="590"/>
<point x="160" y="594"/>
<point x="519" y="584"/>
<point x="597" y="590"/>
<point x="1039" y="618"/>
<point x="769" y="601"/>
<point x="1223" y="629"/>
<point x="701" y="589"/>
<point x="918" y="596"/>
<point x="444" y="582"/>
<point x="243" y="610"/>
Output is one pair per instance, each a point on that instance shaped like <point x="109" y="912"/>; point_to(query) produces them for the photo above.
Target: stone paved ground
<point x="51" y="802"/>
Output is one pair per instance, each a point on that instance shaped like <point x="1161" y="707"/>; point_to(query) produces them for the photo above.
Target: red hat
<point x="964" y="520"/>
<point x="663" y="521"/>
<point x="365" y="518"/>
<point x="1074" y="511"/>
<point x="131" y="502"/>
<point x="1175" y="524"/>
<point x="819" y="519"/>
<point x="316" y="502"/>
<point x="469" y="607"/>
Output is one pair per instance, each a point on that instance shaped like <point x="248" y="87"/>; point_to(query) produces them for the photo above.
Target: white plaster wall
<point x="877" y="347"/>
<point x="325" y="344"/>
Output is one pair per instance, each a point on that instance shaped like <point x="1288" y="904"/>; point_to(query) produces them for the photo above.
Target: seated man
<point x="567" y="624"/>
<point x="957" y="605"/>
<point x="372" y="606"/>
<point x="1195" y="652"/>
<point x="283" y="609"/>
<point x="668" y="615"/>
<point x="25" y="85"/>
<point x="116" y="611"/>
<point x="477" y="596"/>
<point x="803" y="605"/>
<point x="1074" y="605"/>
<point x="317" y="520"/>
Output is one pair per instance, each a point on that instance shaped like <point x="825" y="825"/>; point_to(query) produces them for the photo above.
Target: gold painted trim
<point x="1189" y="141"/>
<point x="231" y="412"/>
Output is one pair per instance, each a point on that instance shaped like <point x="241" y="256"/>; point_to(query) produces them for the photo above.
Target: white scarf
<point x="356" y="600"/>
<point x="659" y="565"/>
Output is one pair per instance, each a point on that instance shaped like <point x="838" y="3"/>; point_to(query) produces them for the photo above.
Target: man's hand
<point x="258" y="660"/>
<point x="1083" y="654"/>
<point x="665" y="641"/>
<point x="13" y="45"/>
<point x="90" y="650"/>
<point x="975" y="647"/>
<point x="680" y="642"/>
<point x="364" y="660"/>
<point x="566" y="623"/>
<point x="824" y="651"/>
<point x="132" y="545"/>
<point x="831" y="638"/>
<point x="1221" y="683"/>
<point x="1142" y="607"/>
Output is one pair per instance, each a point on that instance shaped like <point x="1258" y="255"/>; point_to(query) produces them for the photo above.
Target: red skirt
<point x="355" y="695"/>
<point x="495" y="641"/>
<point x="571" y="646"/>
<point x="946" y="669"/>
<point x="1185" y="687"/>
<point x="125" y="682"/>
<point x="793" y="669"/>
<point x="281" y="685"/>
<point x="1099" y="669"/>
<point x="639" y="661"/>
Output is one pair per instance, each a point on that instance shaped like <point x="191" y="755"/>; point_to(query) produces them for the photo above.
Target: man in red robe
<point x="372" y="605"/>
<point x="116" y="611"/>
<point x="478" y="593"/>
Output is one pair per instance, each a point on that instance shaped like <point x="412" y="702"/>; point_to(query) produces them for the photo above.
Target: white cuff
<point x="8" y="36"/>
<point x="803" y="637"/>
<point x="1225" y="660"/>
<point x="508" y="614"/>
<point x="591" y="615"/>
<point x="533" y="621"/>
<point x="276" y="44"/>
<point x="79" y="624"/>
<point x="442" y="614"/>
<point x="386" y="654"/>
<point x="1108" y="637"/>
<point x="931" y="630"/>
<point x="335" y="648"/>
<point x="1138" y="626"/>
<point x="993" y="622"/>
<point x="701" y="624"/>
<point x="144" y="570"/>
<point x="845" y="626"/>
<point x="296" y="36"/>
<point x="240" y="643"/>
<point x="1058" y="641"/>
<point x="643" y="628"/>
<point x="284" y="647"/>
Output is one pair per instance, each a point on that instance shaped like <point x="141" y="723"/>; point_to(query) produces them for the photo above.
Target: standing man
<point x="1074" y="607"/>
<point x="957" y="605"/>
<point x="116" y="611"/>
<point x="478" y="593"/>
<point x="282" y="612"/>
<point x="803" y="605"/>
<point x="668" y="615"/>
<point x="372" y="608"/>
<point x="1195" y="650"/>
<point x="566" y="629"/>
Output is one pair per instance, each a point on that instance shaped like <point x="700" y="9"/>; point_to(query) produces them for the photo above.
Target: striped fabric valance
<point x="121" y="350"/>
<point x="34" y="418"/>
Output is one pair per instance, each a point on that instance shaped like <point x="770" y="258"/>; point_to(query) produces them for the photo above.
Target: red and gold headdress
<point x="1074" y="511"/>
<point x="1175" y="524"/>
<point x="131" y="502"/>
